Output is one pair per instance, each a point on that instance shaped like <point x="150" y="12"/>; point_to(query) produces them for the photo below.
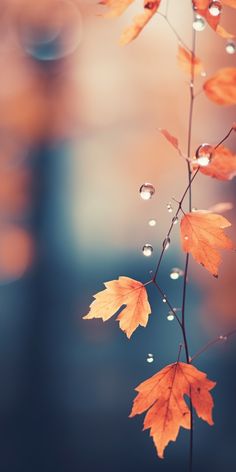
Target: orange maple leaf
<point x="222" y="165"/>
<point x="124" y="291"/>
<point x="221" y="88"/>
<point x="163" y="396"/>
<point x="139" y="21"/>
<point x="202" y="235"/>
<point x="186" y="60"/>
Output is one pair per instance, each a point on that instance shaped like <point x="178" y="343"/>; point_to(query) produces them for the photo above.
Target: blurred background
<point x="78" y="137"/>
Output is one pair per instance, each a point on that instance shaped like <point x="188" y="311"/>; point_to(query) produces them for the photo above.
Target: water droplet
<point x="199" y="23"/>
<point x="147" y="250"/>
<point x="150" y="359"/>
<point x="204" y="154"/>
<point x="176" y="273"/>
<point x="166" y="243"/>
<point x="223" y="338"/>
<point x="203" y="73"/>
<point x="146" y="191"/>
<point x="194" y="209"/>
<point x="50" y="30"/>
<point x="170" y="316"/>
<point x="169" y="207"/>
<point x="215" y="8"/>
<point x="175" y="220"/>
<point x="164" y="299"/>
<point x="230" y="47"/>
<point x="152" y="222"/>
<point x="186" y="238"/>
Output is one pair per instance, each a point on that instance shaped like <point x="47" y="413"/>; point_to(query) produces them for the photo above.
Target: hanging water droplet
<point x="147" y="250"/>
<point x="146" y="191"/>
<point x="215" y="8"/>
<point x="230" y="47"/>
<point x="166" y="243"/>
<point x="164" y="299"/>
<point x="176" y="273"/>
<point x="204" y="154"/>
<point x="175" y="220"/>
<point x="169" y="207"/>
<point x="199" y="23"/>
<point x="152" y="222"/>
<point x="170" y="316"/>
<point x="150" y="359"/>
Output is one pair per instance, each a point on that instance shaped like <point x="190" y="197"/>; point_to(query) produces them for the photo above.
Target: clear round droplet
<point x="166" y="243"/>
<point x="176" y="273"/>
<point x="164" y="299"/>
<point x="230" y="47"/>
<point x="147" y="250"/>
<point x="170" y="316"/>
<point x="175" y="220"/>
<point x="150" y="359"/>
<point x="169" y="207"/>
<point x="50" y="29"/>
<point x="204" y="154"/>
<point x="186" y="238"/>
<point x="215" y="8"/>
<point x="199" y="23"/>
<point x="146" y="191"/>
<point x="152" y="222"/>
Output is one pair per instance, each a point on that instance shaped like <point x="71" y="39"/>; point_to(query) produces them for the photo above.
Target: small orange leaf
<point x="124" y="291"/>
<point x="163" y="396"/>
<point x="223" y="33"/>
<point x="221" y="88"/>
<point x="172" y="139"/>
<point x="186" y="60"/>
<point x="132" y="32"/>
<point x="222" y="165"/>
<point x="202" y="235"/>
<point x="117" y="7"/>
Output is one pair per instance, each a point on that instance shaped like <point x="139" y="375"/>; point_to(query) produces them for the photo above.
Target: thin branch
<point x="212" y="343"/>
<point x="226" y="137"/>
<point x="165" y="16"/>
<point x="167" y="302"/>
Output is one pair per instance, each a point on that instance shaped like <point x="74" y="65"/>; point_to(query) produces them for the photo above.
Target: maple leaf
<point x="222" y="165"/>
<point x="202" y="235"/>
<point x="117" y="7"/>
<point x="221" y="88"/>
<point x="171" y="139"/>
<point x="163" y="396"/>
<point x="139" y="21"/>
<point x="124" y="291"/>
<point x="186" y="60"/>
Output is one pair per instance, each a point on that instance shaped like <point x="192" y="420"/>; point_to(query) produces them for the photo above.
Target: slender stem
<point x="190" y="123"/>
<point x="211" y="343"/>
<point x="167" y="302"/>
<point x="165" y="16"/>
<point x="226" y="137"/>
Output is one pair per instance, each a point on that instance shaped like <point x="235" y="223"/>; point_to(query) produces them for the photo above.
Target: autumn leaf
<point x="202" y="235"/>
<point x="186" y="60"/>
<point x="223" y="33"/>
<point x="221" y="88"/>
<point x="124" y="291"/>
<point x="230" y="3"/>
<point x="117" y="7"/>
<point x="222" y="165"/>
<point x="132" y="31"/>
<point x="162" y="396"/>
<point x="171" y="139"/>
